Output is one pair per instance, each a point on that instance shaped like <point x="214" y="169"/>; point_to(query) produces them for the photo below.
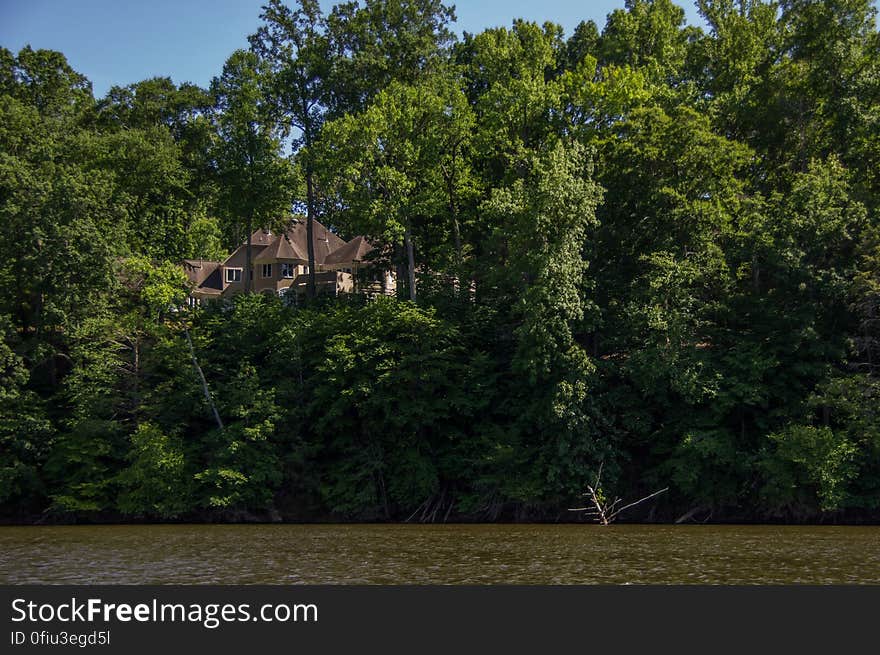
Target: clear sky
<point x="124" y="41"/>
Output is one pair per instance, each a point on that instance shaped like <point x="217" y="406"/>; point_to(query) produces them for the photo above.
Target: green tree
<point x="383" y="41"/>
<point x="544" y="221"/>
<point x="243" y="461"/>
<point x="257" y="183"/>
<point x="394" y="394"/>
<point x="299" y="52"/>
<point x="155" y="481"/>
<point x="26" y="433"/>
<point x="105" y="391"/>
<point x="650" y="34"/>
<point x="393" y="164"/>
<point x="157" y="105"/>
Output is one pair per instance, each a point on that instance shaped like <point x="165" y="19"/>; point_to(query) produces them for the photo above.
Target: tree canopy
<point x="646" y="248"/>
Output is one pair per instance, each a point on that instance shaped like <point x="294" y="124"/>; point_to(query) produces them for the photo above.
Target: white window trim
<point x="263" y="271"/>
<point x="291" y="271"/>
<point x="232" y="269"/>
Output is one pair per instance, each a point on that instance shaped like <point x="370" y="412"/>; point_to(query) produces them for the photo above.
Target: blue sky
<point x="122" y="41"/>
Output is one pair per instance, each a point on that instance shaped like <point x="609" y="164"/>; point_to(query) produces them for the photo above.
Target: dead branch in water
<point x="603" y="510"/>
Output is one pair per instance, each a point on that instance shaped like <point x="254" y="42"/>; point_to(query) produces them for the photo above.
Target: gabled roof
<point x="281" y="248"/>
<point x="198" y="270"/>
<point x="213" y="284"/>
<point x="296" y="247"/>
<point x="205" y="276"/>
<point x="262" y="237"/>
<point x="323" y="239"/>
<point x="353" y="251"/>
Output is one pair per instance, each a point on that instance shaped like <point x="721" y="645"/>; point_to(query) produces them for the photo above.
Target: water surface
<point x="439" y="554"/>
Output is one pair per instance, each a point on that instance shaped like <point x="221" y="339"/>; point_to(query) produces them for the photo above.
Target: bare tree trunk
<point x="410" y="263"/>
<point x="248" y="249"/>
<point x="311" y="288"/>
<point x="400" y="271"/>
<point x="207" y="392"/>
<point x="310" y="230"/>
<point x="136" y="346"/>
<point x="604" y="511"/>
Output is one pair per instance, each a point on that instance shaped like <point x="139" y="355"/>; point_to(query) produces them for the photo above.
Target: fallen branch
<point x="603" y="510"/>
<point x="687" y="516"/>
<point x="648" y="497"/>
<point x="204" y="382"/>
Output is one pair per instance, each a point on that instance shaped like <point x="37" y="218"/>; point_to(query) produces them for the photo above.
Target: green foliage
<point x="393" y="393"/>
<point x="255" y="179"/>
<point x="25" y="431"/>
<point x="155" y="482"/>
<point x="648" y="249"/>
<point x="807" y="461"/>
<point x="205" y="240"/>
<point x="243" y="467"/>
<point x="388" y="161"/>
<point x="544" y="221"/>
<point x="647" y="34"/>
<point x="383" y="41"/>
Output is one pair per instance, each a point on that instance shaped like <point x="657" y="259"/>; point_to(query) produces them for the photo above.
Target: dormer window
<point x="233" y="275"/>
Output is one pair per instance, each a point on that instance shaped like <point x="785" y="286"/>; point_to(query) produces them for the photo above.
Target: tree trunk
<point x="136" y="346"/>
<point x="311" y="290"/>
<point x="400" y="272"/>
<point x="453" y="212"/>
<point x="410" y="263"/>
<point x="204" y="382"/>
<point x="310" y="230"/>
<point x="248" y="249"/>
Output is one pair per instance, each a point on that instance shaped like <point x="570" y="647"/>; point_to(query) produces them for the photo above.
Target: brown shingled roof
<point x="197" y="270"/>
<point x="323" y="239"/>
<point x="262" y="237"/>
<point x="353" y="251"/>
<point x="281" y="248"/>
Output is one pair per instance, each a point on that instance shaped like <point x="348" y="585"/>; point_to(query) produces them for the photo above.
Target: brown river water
<point x="439" y="554"/>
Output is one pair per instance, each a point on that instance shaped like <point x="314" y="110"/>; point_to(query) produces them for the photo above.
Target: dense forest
<point x="652" y="248"/>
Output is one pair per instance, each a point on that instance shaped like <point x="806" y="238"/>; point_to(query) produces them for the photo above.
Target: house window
<point x="233" y="274"/>
<point x="287" y="270"/>
<point x="267" y="270"/>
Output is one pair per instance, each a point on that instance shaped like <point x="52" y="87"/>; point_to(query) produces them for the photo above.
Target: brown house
<point x="281" y="265"/>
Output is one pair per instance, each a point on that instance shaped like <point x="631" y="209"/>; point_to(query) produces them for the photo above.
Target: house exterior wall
<point x="366" y="278"/>
<point x="335" y="278"/>
<point x="238" y="260"/>
<point x="276" y="282"/>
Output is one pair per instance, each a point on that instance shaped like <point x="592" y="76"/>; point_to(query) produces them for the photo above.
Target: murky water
<point x="439" y="554"/>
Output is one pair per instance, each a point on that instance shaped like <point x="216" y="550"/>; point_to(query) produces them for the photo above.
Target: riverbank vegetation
<point x="649" y="248"/>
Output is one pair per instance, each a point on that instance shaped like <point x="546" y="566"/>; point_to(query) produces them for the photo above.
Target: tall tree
<point x="387" y="160"/>
<point x="157" y="105"/>
<point x="650" y="34"/>
<point x="297" y="49"/>
<point x="380" y="41"/>
<point x="257" y="179"/>
<point x="61" y="228"/>
<point x="545" y="218"/>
